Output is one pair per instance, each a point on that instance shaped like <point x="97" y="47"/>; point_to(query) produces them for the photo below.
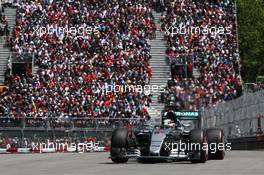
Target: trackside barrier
<point x="3" y="151"/>
<point x="71" y="150"/>
<point x="52" y="150"/>
<point x="48" y="150"/>
<point x="35" y="150"/>
<point x="107" y="148"/>
<point x="239" y="117"/>
<point x="247" y="143"/>
<point x="23" y="150"/>
<point x="12" y="150"/>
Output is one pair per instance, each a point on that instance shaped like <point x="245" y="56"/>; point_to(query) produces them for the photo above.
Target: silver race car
<point x="179" y="137"/>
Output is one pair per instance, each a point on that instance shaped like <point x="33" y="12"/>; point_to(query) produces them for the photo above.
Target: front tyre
<point x="119" y="145"/>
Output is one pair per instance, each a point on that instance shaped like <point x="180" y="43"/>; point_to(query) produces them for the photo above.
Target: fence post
<point x="23" y="123"/>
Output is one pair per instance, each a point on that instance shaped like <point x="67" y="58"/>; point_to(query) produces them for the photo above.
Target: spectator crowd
<point x="214" y="54"/>
<point x="72" y="68"/>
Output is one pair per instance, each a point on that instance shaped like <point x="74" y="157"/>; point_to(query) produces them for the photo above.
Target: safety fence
<point x="242" y="117"/>
<point x="52" y="128"/>
<point x="66" y="123"/>
<point x="53" y="135"/>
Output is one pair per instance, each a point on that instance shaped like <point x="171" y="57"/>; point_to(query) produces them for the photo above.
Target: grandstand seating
<point x="72" y="69"/>
<point x="214" y="55"/>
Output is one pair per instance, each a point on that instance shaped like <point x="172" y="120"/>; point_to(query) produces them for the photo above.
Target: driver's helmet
<point x="169" y="123"/>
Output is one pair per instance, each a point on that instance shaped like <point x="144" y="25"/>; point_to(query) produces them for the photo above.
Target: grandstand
<point x="61" y="58"/>
<point x="199" y="44"/>
<point x="73" y="68"/>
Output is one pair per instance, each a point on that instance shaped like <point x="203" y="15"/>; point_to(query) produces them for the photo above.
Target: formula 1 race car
<point x="179" y="137"/>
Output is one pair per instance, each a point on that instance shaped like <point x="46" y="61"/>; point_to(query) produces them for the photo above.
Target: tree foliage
<point x="251" y="37"/>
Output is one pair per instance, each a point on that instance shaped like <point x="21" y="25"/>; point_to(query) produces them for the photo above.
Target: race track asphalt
<point x="235" y="163"/>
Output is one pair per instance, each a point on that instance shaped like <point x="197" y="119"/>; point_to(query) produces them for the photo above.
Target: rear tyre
<point x="198" y="137"/>
<point x="119" y="145"/>
<point x="215" y="137"/>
